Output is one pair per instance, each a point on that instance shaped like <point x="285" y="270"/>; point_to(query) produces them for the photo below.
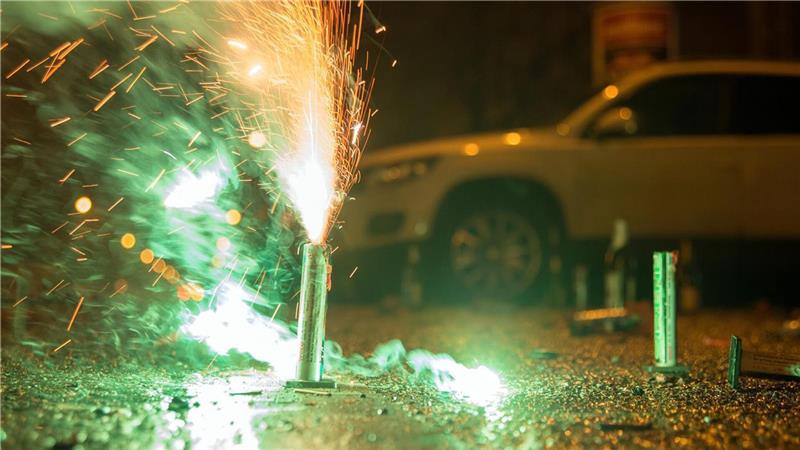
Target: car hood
<point x="491" y="142"/>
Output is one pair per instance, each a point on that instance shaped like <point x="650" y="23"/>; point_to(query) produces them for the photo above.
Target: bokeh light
<point x="83" y="204"/>
<point x="146" y="256"/>
<point x="223" y="244"/>
<point x="127" y="241"/>
<point x="233" y="217"/>
<point x="512" y="138"/>
<point x="257" y="139"/>
<point x="471" y="149"/>
<point x="610" y="92"/>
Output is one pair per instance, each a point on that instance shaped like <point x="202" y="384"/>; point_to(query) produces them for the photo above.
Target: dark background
<point x="475" y="66"/>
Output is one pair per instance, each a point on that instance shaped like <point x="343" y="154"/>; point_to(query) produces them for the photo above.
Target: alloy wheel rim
<point x="496" y="252"/>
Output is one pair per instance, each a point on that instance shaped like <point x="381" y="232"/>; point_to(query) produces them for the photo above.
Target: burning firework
<point x="195" y="129"/>
<point x="302" y="74"/>
<point x="305" y="64"/>
<point x="151" y="152"/>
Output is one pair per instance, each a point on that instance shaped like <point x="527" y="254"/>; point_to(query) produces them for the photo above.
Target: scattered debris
<point x="759" y="365"/>
<point x="592" y="321"/>
<point x="258" y="392"/>
<point x="626" y="426"/>
<point x="543" y="354"/>
<point x="313" y="392"/>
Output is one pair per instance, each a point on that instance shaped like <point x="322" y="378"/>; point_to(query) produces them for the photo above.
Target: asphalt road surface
<point x="559" y="391"/>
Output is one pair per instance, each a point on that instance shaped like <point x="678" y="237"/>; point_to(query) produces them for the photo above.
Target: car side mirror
<point x="616" y="122"/>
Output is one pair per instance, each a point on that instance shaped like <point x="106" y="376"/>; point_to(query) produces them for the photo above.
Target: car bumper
<point x="389" y="215"/>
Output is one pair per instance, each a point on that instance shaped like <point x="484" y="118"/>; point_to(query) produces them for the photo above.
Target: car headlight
<point x="404" y="171"/>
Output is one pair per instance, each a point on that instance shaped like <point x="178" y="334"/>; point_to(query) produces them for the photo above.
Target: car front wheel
<point x="489" y="254"/>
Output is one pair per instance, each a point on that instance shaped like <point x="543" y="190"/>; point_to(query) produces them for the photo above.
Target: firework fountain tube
<point x="665" y="328"/>
<point x="311" y="323"/>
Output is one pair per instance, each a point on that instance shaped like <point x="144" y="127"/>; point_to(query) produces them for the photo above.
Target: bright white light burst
<point x="234" y="325"/>
<point x="480" y="386"/>
<point x="310" y="186"/>
<point x="192" y="190"/>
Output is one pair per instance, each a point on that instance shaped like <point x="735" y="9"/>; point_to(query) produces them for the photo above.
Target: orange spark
<point x="59" y="227"/>
<point x="69" y="49"/>
<point x="277" y="308"/>
<point x="58" y="49"/>
<point x="18" y="68"/>
<point x="56" y="122"/>
<point x="130" y="86"/>
<point x="128" y="63"/>
<point x="194" y="138"/>
<point x="162" y="35"/>
<point x="66" y="177"/>
<point x="116" y="203"/>
<point x="75" y="314"/>
<point x="52" y="69"/>
<point x="104" y="100"/>
<point x="147" y="43"/>
<point x="161" y="174"/>
<point x="114" y="87"/>
<point x="62" y="345"/>
<point x="36" y="65"/>
<point x="76" y="139"/>
<point x="54" y="287"/>
<point x="101" y="67"/>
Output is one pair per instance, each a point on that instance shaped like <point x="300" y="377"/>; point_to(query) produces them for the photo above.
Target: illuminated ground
<point x="593" y="393"/>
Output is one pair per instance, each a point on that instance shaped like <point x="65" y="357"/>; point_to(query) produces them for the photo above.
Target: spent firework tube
<point x="311" y="322"/>
<point x="759" y="365"/>
<point x="665" y="330"/>
<point x="664" y="309"/>
<point x="592" y="321"/>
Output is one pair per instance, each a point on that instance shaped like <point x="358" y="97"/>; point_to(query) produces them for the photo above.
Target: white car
<point x="688" y="150"/>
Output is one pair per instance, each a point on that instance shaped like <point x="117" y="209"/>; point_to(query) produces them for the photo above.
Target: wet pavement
<point x="560" y="391"/>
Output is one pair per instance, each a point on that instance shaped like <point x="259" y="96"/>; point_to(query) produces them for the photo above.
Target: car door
<point x="672" y="171"/>
<point x="766" y="122"/>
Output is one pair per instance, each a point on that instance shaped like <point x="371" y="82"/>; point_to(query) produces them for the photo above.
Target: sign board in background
<point x="629" y="36"/>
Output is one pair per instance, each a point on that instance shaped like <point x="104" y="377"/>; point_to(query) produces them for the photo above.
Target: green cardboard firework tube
<point x="665" y="333"/>
<point x="760" y="365"/>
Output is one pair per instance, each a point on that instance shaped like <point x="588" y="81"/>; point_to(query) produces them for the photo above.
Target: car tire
<point x="491" y="251"/>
